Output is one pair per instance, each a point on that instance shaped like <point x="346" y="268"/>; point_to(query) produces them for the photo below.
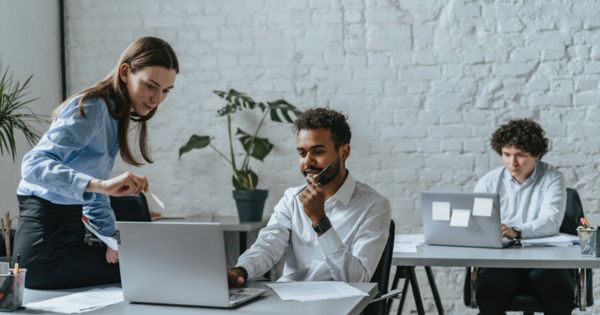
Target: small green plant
<point x="279" y="111"/>
<point x="15" y="113"/>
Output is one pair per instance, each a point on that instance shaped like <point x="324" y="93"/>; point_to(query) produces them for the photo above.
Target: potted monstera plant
<point x="249" y="199"/>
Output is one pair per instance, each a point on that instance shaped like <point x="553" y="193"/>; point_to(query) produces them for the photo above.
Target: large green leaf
<point x="236" y="101"/>
<point x="258" y="148"/>
<point x="244" y="180"/>
<point x="284" y="109"/>
<point x="195" y="142"/>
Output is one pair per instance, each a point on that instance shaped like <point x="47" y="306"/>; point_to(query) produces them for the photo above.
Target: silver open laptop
<point x="176" y="263"/>
<point x="482" y="231"/>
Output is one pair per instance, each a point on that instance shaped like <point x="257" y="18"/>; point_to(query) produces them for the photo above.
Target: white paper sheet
<point x="314" y="290"/>
<point x="79" y="302"/>
<point x="460" y="217"/>
<point x="440" y="211"/>
<point x="109" y="241"/>
<point x="482" y="207"/>
<point x="407" y="243"/>
<point x="558" y="240"/>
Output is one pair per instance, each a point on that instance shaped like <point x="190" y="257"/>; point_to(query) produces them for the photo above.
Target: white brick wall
<point x="423" y="82"/>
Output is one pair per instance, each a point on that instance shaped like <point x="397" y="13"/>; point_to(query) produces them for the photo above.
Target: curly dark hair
<point x="326" y="118"/>
<point x="524" y="134"/>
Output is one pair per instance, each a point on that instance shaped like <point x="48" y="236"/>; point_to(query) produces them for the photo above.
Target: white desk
<point x="267" y="304"/>
<point x="513" y="257"/>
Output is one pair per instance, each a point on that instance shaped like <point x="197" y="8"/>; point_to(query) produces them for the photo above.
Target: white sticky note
<point x="460" y="217"/>
<point x="483" y="207"/>
<point x="440" y="211"/>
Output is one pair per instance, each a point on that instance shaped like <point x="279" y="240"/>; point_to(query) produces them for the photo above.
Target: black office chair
<point x="130" y="208"/>
<point x="382" y="276"/>
<point x="526" y="302"/>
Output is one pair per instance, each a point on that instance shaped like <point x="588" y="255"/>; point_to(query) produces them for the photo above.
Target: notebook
<point x="462" y="219"/>
<point x="180" y="263"/>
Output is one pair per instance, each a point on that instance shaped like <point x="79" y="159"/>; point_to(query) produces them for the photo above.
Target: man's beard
<point x="328" y="176"/>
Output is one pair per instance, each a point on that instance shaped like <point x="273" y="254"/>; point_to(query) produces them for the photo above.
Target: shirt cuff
<point x="81" y="182"/>
<point x="330" y="241"/>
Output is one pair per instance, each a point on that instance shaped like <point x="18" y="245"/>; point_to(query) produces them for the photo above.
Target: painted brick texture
<point x="424" y="84"/>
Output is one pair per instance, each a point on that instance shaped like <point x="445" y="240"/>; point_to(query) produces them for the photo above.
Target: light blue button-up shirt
<point x="537" y="206"/>
<point x="73" y="151"/>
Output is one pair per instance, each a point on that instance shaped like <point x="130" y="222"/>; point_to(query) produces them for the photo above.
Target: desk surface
<point x="269" y="303"/>
<point x="228" y="223"/>
<point x="512" y="257"/>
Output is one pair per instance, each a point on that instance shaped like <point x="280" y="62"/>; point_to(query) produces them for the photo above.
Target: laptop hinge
<point x="118" y="237"/>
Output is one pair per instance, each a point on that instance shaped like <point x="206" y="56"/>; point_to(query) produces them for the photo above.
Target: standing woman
<point x="68" y="173"/>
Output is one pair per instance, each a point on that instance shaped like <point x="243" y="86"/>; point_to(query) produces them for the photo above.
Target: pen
<point x="16" y="268"/>
<point x="317" y="178"/>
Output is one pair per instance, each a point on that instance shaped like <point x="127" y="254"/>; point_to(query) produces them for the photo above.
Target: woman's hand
<point x="112" y="256"/>
<point x="122" y="185"/>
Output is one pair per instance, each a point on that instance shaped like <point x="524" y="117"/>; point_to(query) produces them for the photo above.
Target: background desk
<point x="267" y="304"/>
<point x="513" y="257"/>
<point x="229" y="224"/>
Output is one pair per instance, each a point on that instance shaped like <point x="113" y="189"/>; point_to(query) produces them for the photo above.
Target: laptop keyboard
<point x="240" y="294"/>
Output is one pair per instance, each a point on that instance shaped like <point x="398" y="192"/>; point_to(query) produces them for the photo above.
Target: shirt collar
<point x="534" y="174"/>
<point x="345" y="192"/>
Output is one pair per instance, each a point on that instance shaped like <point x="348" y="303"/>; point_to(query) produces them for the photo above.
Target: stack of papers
<point x="558" y="240"/>
<point x="79" y="302"/>
<point x="407" y="243"/>
<point x="314" y="290"/>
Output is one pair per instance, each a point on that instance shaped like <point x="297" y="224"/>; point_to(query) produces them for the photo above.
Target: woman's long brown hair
<point x="143" y="52"/>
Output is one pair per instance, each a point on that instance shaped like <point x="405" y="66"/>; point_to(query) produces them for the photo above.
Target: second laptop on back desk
<point x="446" y="221"/>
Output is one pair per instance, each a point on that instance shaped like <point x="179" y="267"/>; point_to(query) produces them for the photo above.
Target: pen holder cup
<point x="11" y="290"/>
<point x="588" y="242"/>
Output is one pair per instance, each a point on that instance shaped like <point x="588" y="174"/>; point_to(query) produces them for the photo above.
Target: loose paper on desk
<point x="407" y="243"/>
<point x="314" y="290"/>
<point x="460" y="217"/>
<point x="79" y="302"/>
<point x="558" y="240"/>
<point x="482" y="207"/>
<point x="440" y="211"/>
<point x="109" y="241"/>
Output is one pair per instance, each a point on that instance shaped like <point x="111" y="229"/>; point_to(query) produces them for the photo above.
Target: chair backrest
<point x="573" y="212"/>
<point x="130" y="208"/>
<point x="382" y="273"/>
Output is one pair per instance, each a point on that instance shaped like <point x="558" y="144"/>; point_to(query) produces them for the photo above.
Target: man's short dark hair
<point x="326" y="118"/>
<point x="524" y="134"/>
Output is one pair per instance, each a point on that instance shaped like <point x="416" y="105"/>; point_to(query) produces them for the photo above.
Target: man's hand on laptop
<point x="237" y="276"/>
<point x="508" y="231"/>
<point x="112" y="256"/>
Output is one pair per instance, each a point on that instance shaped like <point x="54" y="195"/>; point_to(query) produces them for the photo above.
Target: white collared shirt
<point x="349" y="251"/>
<point x="536" y="206"/>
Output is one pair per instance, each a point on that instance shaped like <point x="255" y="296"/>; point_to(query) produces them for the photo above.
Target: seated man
<point x="332" y="228"/>
<point x="532" y="204"/>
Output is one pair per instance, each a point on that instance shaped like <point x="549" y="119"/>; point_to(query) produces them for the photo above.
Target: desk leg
<point x="403" y="298"/>
<point x="434" y="290"/>
<point x="412" y="277"/>
<point x="582" y="289"/>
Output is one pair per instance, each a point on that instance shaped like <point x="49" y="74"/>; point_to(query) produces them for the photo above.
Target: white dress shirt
<point x="349" y="251"/>
<point x="536" y="207"/>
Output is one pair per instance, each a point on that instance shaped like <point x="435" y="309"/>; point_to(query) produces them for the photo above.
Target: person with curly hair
<point x="532" y="204"/>
<point x="333" y="227"/>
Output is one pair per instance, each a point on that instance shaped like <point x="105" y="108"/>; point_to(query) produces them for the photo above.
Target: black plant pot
<point x="250" y="204"/>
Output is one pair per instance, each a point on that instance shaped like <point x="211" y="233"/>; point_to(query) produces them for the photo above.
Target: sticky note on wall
<point x="460" y="217"/>
<point x="483" y="207"/>
<point x="440" y="211"/>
